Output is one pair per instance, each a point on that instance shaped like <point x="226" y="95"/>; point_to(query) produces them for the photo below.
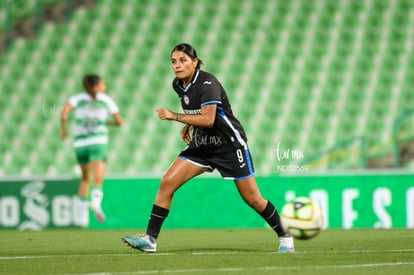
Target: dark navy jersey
<point x="204" y="89"/>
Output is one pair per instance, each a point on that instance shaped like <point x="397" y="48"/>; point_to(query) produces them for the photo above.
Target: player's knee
<point x="166" y="181"/>
<point x="166" y="186"/>
<point x="84" y="178"/>
<point x="85" y="174"/>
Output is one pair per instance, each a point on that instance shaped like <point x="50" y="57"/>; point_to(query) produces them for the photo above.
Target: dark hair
<point x="89" y="81"/>
<point x="188" y="50"/>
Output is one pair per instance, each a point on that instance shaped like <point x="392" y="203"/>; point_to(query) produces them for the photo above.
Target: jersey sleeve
<point x="210" y="92"/>
<point x="112" y="106"/>
<point x="73" y="100"/>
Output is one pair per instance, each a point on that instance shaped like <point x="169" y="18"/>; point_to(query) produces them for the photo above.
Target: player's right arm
<point x="63" y="117"/>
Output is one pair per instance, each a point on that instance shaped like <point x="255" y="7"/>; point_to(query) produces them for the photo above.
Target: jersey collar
<point x="192" y="82"/>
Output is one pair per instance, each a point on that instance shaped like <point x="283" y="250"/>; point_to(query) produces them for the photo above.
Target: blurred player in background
<point x="94" y="112"/>
<point x="216" y="140"/>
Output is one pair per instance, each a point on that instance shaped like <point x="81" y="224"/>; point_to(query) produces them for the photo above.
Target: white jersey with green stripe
<point x="91" y="116"/>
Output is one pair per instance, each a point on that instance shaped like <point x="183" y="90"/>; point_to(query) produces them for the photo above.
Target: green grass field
<point x="238" y="251"/>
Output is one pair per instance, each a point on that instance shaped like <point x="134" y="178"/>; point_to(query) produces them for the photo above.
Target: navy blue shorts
<point x="235" y="164"/>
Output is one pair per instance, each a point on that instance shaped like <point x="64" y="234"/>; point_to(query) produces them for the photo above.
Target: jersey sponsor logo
<point x="192" y="112"/>
<point x="206" y="140"/>
<point x="207" y="82"/>
<point x="186" y="100"/>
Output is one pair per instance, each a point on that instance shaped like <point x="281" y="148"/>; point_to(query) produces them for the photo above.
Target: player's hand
<point x="185" y="133"/>
<point x="63" y="133"/>
<point x="165" y="114"/>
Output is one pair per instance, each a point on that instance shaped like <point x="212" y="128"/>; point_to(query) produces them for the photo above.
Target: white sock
<point x="96" y="197"/>
<point x="84" y="212"/>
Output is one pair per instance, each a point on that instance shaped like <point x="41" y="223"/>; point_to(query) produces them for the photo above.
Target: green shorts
<point x="97" y="152"/>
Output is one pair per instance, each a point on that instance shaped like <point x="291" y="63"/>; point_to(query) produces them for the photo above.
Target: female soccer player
<point x="218" y="141"/>
<point x="92" y="109"/>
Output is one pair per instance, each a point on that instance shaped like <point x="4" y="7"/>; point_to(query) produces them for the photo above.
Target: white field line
<point x="201" y="253"/>
<point x="252" y="269"/>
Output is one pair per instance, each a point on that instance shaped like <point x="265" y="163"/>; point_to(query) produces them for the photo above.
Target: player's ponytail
<point x="188" y="50"/>
<point x="89" y="81"/>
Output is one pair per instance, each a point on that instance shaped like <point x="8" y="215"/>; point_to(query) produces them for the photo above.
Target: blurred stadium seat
<point x="305" y="74"/>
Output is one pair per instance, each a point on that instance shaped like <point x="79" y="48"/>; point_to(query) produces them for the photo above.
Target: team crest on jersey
<point x="186" y="100"/>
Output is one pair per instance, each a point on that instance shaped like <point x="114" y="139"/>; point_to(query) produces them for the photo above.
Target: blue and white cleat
<point x="144" y="243"/>
<point x="286" y="245"/>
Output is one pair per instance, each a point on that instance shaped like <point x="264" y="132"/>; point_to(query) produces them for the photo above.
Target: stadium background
<point x="327" y="80"/>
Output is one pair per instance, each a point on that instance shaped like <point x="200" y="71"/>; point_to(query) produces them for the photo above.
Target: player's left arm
<point x="205" y="119"/>
<point x="116" y="115"/>
<point x="116" y="120"/>
<point x="63" y="118"/>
